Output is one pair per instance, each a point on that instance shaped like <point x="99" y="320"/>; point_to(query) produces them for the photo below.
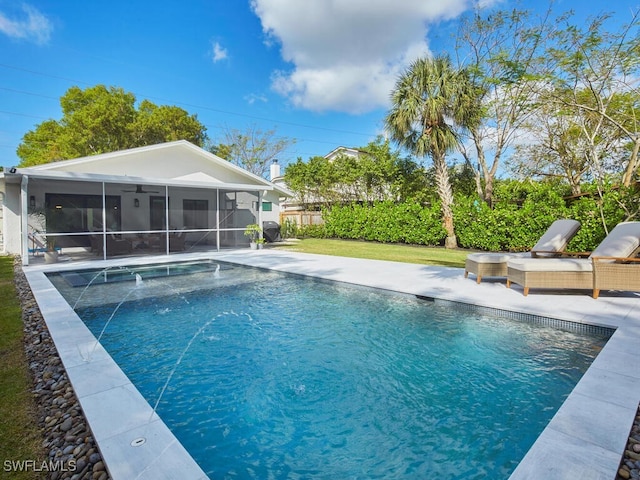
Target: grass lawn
<point x="20" y="437"/>
<point x="380" y="251"/>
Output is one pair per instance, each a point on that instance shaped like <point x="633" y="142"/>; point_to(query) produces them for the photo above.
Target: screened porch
<point x="104" y="219"/>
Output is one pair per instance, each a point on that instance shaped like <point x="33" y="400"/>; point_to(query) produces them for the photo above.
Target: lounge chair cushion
<point x="550" y="264"/>
<point x="621" y="242"/>
<point x="556" y="237"/>
<point x="490" y="257"/>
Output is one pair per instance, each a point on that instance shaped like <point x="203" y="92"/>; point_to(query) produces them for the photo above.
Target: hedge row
<point x="515" y="223"/>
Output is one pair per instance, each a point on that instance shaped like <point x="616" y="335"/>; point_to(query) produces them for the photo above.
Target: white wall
<point x="11" y="220"/>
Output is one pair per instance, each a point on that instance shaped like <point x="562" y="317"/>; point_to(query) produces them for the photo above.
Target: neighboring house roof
<point x="345" y="151"/>
<point x="172" y="163"/>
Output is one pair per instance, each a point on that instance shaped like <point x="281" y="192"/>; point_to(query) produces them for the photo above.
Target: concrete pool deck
<point x="585" y="439"/>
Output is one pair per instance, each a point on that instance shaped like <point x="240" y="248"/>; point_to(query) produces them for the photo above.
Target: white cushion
<point x="557" y="236"/>
<point x="622" y="241"/>
<point x="489" y="257"/>
<point x="550" y="264"/>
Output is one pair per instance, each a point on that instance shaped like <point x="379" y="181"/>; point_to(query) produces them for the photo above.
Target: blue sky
<point x="319" y="71"/>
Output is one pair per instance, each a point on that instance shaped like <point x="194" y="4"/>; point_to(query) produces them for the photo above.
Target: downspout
<point x="24" y="220"/>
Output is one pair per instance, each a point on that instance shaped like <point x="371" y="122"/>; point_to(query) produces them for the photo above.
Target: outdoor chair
<point x="613" y="265"/>
<point x="115" y="245"/>
<point x="551" y="244"/>
<point x="176" y="241"/>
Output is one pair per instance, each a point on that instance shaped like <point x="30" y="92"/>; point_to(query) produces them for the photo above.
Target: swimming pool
<point x="306" y="378"/>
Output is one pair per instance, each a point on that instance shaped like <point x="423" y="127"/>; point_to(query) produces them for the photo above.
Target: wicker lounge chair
<point x="554" y="241"/>
<point x="613" y="265"/>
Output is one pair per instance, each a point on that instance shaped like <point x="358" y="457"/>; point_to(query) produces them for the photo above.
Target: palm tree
<point x="430" y="101"/>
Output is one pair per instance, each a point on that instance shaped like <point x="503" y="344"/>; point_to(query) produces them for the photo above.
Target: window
<point x="67" y="212"/>
<point x="267" y="206"/>
<point x="195" y="213"/>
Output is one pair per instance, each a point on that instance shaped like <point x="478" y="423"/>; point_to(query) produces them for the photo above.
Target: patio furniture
<point x="615" y="274"/>
<point x="554" y="241"/>
<point x="115" y="245"/>
<point x="176" y="241"/>
<point x="613" y="265"/>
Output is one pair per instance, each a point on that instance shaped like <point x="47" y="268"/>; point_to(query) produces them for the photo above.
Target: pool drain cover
<point x="138" y="442"/>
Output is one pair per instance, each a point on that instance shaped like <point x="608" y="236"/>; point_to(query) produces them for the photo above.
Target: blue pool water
<point x="288" y="377"/>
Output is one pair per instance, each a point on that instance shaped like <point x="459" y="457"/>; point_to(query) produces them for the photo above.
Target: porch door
<point x="157" y="213"/>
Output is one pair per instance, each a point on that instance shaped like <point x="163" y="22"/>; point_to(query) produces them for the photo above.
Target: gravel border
<point x="67" y="440"/>
<point x="630" y="465"/>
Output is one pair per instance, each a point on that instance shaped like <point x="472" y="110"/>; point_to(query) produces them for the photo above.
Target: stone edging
<point x="67" y="439"/>
<point x="630" y="465"/>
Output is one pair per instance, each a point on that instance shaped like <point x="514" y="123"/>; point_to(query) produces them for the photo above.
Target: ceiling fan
<point x="139" y="190"/>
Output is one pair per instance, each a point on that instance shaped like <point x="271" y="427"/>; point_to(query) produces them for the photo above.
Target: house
<point x="344" y="152"/>
<point x="156" y="199"/>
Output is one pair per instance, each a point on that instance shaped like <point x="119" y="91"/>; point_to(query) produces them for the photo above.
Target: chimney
<point x="275" y="170"/>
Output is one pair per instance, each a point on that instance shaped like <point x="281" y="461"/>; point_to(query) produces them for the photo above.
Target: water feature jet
<point x="184" y="352"/>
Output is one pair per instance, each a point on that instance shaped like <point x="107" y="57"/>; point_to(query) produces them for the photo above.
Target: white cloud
<point x="33" y="26"/>
<point x="346" y="54"/>
<point x="254" y="97"/>
<point x="218" y="52"/>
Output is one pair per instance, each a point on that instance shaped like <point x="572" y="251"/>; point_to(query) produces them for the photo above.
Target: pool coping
<point x="585" y="438"/>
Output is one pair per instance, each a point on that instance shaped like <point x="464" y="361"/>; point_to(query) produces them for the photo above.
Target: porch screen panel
<point x="63" y="212"/>
<point x="192" y="219"/>
<point x="128" y="221"/>
<point x="237" y="210"/>
<point x="134" y="209"/>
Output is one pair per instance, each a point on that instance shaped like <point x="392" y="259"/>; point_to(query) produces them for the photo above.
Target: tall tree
<point x="558" y="146"/>
<point x="595" y="76"/>
<point x="430" y="102"/>
<point x="166" y="123"/>
<point x="253" y="149"/>
<point x="104" y="119"/>
<point x="502" y="53"/>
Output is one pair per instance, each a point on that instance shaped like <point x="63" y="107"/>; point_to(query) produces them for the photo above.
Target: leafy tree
<point x="157" y="124"/>
<point x="254" y="149"/>
<point x="43" y="145"/>
<point x="314" y="182"/>
<point x="377" y="173"/>
<point x="104" y="119"/>
<point x="429" y="103"/>
<point x="502" y="53"/>
<point x="556" y="150"/>
<point x="386" y="175"/>
<point x="595" y="75"/>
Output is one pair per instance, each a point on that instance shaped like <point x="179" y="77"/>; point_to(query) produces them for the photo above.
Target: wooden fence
<point x="302" y="217"/>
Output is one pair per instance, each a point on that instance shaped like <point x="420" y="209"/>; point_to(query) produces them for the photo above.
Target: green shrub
<point x="289" y="228"/>
<point x="520" y="214"/>
<point x="312" y="231"/>
<point x="387" y="222"/>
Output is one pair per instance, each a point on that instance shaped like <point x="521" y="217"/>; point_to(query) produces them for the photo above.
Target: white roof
<point x="346" y="151"/>
<point x="177" y="163"/>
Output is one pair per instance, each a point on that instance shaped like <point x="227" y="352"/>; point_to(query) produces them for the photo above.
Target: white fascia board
<point x="37" y="170"/>
<point x="95" y="177"/>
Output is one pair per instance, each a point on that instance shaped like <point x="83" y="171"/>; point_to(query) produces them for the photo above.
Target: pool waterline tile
<point x="616" y="312"/>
